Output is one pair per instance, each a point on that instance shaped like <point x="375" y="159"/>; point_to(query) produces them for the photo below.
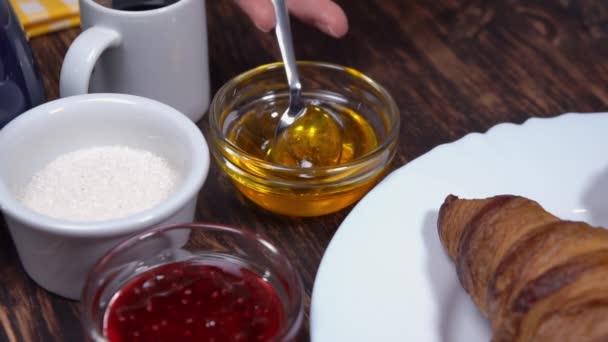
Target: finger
<point x="326" y="15"/>
<point x="261" y="13"/>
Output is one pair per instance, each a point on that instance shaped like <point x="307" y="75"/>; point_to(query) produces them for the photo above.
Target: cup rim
<point x="118" y="12"/>
<point x="191" y="184"/>
<point x="391" y="104"/>
<point x="249" y="234"/>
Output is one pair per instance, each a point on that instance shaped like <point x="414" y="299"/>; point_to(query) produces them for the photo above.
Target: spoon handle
<point x="283" y="32"/>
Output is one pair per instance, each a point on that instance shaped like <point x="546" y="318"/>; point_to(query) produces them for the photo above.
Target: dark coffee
<point x="141" y="5"/>
<point x="136" y="8"/>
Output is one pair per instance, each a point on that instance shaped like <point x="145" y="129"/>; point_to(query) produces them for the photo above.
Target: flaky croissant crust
<point x="536" y="277"/>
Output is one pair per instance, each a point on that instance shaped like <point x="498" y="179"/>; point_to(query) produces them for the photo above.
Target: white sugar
<point x="100" y="183"/>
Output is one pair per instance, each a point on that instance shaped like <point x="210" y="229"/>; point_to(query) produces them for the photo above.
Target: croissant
<point x="534" y="276"/>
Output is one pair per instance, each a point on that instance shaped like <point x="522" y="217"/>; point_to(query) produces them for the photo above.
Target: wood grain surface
<point x="453" y="66"/>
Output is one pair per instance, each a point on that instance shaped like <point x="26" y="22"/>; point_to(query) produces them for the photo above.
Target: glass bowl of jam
<point x="332" y="154"/>
<point x="193" y="282"/>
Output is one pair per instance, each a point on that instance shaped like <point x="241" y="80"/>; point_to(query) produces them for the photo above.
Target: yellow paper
<point x="44" y="16"/>
<point x="53" y="26"/>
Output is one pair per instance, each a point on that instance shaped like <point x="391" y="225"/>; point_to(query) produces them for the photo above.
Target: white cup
<point x="57" y="254"/>
<point x="159" y="53"/>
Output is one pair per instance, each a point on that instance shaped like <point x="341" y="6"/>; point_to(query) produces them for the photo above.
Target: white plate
<point x="385" y="276"/>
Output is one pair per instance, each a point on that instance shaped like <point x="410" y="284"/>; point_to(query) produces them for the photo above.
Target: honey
<point x="327" y="135"/>
<point x="321" y="137"/>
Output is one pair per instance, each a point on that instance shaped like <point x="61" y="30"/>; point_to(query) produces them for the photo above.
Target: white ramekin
<point x="57" y="254"/>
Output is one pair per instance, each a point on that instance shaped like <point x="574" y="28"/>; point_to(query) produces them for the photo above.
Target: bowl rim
<point x="189" y="187"/>
<point x="387" y="142"/>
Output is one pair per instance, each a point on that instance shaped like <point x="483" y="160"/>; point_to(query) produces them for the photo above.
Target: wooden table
<point x="453" y="66"/>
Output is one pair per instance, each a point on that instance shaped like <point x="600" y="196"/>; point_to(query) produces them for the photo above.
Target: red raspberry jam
<point x="188" y="301"/>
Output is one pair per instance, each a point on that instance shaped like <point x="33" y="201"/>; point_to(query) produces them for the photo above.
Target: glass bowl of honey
<point x="332" y="155"/>
<point x="193" y="282"/>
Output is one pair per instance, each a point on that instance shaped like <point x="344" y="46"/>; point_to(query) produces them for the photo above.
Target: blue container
<point x="21" y="86"/>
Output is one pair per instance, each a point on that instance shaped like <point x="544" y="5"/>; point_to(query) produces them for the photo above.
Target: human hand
<point x="326" y="15"/>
